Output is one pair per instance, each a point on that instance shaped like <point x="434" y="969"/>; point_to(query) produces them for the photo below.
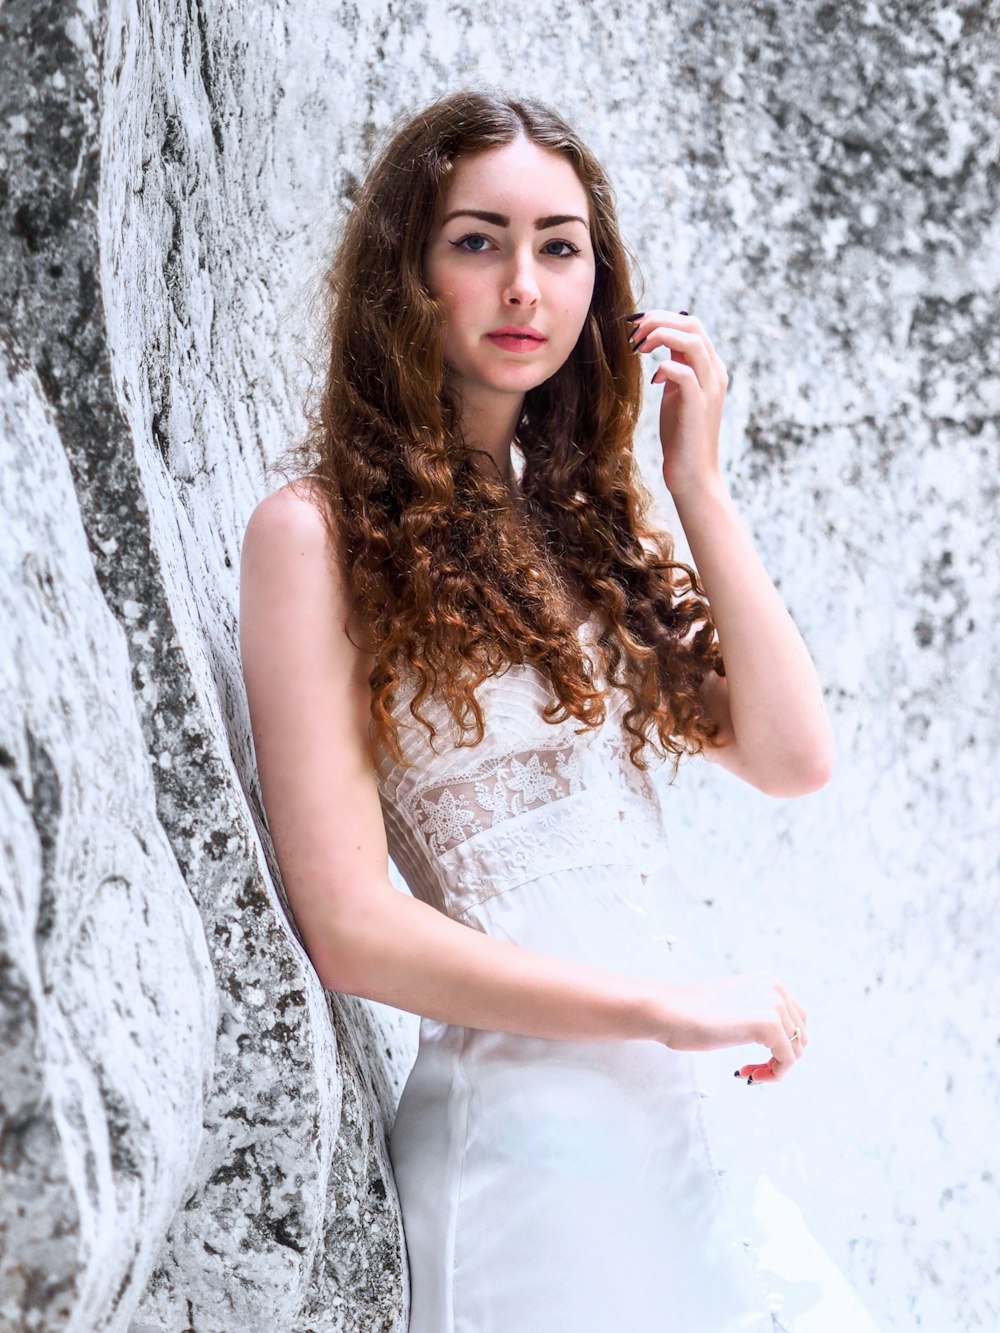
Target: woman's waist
<point x="447" y="1051"/>
<point x="612" y="916"/>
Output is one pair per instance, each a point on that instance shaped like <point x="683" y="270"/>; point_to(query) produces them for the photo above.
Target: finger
<point x="658" y="319"/>
<point x="798" y="1039"/>
<point x="772" y="1072"/>
<point x="711" y="374"/>
<point x="782" y="1049"/>
<point x="684" y="323"/>
<point x="745" y="1071"/>
<point x="677" y="372"/>
<point x="692" y="324"/>
<point x="799" y="1019"/>
<point x="643" y="326"/>
<point x="690" y="345"/>
<point x="650" y="318"/>
<point x="790" y="1000"/>
<point x="756" y="1073"/>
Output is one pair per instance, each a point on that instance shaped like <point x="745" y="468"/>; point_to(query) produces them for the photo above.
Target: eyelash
<point x="478" y="235"/>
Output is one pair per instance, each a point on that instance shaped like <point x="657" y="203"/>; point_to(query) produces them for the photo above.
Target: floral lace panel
<point x="500" y="789"/>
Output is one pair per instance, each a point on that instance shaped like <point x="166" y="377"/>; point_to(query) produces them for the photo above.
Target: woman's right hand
<point x="750" y="1007"/>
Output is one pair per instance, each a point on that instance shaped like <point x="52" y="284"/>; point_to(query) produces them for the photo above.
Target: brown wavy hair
<point x="451" y="583"/>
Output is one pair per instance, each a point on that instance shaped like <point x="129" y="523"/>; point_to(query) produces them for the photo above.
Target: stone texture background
<point x="192" y="1134"/>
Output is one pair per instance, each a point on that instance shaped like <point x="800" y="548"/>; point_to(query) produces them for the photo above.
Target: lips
<point x="512" y="339"/>
<point x="512" y="331"/>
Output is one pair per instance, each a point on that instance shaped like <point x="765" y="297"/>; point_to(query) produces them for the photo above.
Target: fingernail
<point x="750" y="1079"/>
<point x="736" y="1073"/>
<point x="638" y="315"/>
<point x="684" y="312"/>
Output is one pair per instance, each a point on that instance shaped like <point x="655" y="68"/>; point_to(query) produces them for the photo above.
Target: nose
<point x="521" y="284"/>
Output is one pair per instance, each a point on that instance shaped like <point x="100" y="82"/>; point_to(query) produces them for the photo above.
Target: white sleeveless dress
<point x="552" y="1186"/>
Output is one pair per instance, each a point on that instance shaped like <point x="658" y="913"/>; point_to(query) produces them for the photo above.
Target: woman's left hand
<point x="691" y="408"/>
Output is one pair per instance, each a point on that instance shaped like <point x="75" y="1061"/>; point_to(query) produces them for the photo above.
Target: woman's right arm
<point x="309" y="699"/>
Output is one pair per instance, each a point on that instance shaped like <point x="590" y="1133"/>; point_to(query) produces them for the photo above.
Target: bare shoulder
<point x="309" y="697"/>
<point x="291" y="545"/>
<point x="296" y="635"/>
<point x="300" y="496"/>
<point x="294" y="515"/>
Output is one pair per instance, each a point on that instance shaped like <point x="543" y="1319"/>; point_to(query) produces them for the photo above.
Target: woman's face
<point x="529" y="264"/>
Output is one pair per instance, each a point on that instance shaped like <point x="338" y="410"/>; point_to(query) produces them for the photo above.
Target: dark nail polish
<point x="684" y="312"/>
<point x="736" y="1073"/>
<point x="750" y="1079"/>
<point x="638" y="315"/>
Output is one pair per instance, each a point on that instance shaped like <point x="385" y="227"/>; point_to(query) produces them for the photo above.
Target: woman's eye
<point x="572" y="249"/>
<point x="473" y="236"/>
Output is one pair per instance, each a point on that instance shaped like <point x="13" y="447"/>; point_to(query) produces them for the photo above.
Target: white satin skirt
<point x="574" y="1187"/>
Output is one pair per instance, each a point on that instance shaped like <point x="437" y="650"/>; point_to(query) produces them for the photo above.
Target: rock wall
<point x="192" y="1133"/>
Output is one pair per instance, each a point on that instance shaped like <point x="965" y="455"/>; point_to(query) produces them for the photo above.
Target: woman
<point x="470" y="669"/>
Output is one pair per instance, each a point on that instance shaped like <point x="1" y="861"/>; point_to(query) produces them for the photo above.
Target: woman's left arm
<point x="773" y="727"/>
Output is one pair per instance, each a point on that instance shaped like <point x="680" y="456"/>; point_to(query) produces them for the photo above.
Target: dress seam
<point x="522" y="884"/>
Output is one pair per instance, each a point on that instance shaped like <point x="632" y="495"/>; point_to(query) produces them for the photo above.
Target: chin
<point x="516" y="379"/>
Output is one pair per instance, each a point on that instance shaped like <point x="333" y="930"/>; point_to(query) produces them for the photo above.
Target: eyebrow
<point x="499" y="220"/>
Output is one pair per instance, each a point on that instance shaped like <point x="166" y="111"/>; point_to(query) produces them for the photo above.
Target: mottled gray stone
<point x="818" y="183"/>
<point x="175" y="1081"/>
<point x="109" y="1004"/>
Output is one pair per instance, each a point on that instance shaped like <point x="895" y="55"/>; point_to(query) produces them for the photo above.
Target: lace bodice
<point x="501" y="787"/>
<point x="465" y="823"/>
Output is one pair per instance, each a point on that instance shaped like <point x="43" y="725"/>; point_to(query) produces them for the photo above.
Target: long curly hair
<point x="452" y="583"/>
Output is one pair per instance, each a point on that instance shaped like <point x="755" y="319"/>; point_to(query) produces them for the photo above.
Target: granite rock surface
<point x="192" y="1133"/>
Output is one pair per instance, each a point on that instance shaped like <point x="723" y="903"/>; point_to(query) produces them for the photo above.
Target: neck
<point x="488" y="424"/>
